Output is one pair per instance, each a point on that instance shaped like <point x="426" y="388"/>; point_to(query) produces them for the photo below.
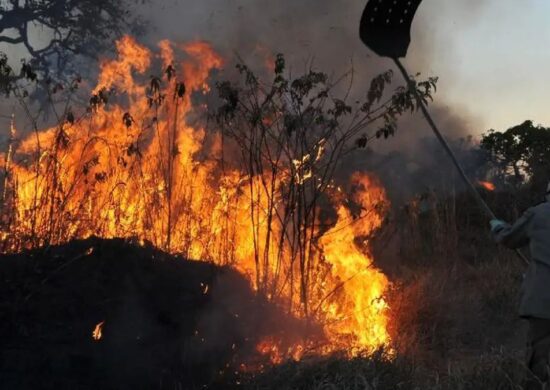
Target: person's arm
<point x="516" y="235"/>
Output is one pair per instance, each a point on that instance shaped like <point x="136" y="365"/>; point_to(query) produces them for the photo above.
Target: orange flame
<point x="97" y="333"/>
<point x="487" y="185"/>
<point x="266" y="55"/>
<point x="137" y="168"/>
<point x="359" y="313"/>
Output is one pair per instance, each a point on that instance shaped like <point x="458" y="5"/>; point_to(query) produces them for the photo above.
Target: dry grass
<point x="453" y="308"/>
<point x="495" y="370"/>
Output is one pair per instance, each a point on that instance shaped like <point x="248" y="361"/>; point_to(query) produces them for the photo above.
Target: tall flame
<point x="141" y="164"/>
<point x="358" y="313"/>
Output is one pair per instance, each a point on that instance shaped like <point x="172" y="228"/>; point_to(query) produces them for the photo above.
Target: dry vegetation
<point x="453" y="306"/>
<point x="453" y="323"/>
<point x="237" y="172"/>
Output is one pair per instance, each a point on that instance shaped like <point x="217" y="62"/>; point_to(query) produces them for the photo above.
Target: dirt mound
<point x="167" y="322"/>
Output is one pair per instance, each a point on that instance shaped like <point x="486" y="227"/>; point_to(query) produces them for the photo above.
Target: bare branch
<point x="75" y="28"/>
<point x="10" y="40"/>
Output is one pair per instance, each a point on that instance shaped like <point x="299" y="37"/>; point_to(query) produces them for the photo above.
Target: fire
<point x="97" y="333"/>
<point x="358" y="312"/>
<point x="487" y="185"/>
<point x="266" y="55"/>
<point x="140" y="163"/>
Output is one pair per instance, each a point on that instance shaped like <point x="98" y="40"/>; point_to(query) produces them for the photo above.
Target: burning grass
<point x="244" y="179"/>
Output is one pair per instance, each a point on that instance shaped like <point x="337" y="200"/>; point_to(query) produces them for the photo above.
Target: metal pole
<point x="448" y="149"/>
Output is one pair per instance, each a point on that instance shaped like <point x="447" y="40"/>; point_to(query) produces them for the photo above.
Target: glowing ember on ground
<point x="144" y="167"/>
<point x="96" y="334"/>
<point x="487" y="185"/>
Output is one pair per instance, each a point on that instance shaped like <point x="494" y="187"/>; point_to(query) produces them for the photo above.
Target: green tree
<point x="520" y="155"/>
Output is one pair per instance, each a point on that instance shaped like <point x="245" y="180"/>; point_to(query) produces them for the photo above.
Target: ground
<point x="167" y="321"/>
<point x="174" y="323"/>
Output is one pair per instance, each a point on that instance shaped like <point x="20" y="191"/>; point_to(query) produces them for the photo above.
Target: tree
<point x="520" y="155"/>
<point x="71" y="27"/>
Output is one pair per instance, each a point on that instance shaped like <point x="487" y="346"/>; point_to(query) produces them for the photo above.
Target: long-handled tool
<point x="386" y="30"/>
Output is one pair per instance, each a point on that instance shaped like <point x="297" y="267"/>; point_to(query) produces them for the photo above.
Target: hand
<point x="496" y="224"/>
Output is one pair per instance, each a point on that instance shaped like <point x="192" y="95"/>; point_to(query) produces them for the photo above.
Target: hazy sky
<point x="497" y="65"/>
<point x="491" y="55"/>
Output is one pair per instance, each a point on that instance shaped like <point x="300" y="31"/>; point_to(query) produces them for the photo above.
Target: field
<point x="453" y="316"/>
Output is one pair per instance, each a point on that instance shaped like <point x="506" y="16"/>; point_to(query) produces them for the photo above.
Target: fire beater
<point x="385" y="29"/>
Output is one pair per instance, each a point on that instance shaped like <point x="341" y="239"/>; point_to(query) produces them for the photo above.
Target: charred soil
<point x="166" y="322"/>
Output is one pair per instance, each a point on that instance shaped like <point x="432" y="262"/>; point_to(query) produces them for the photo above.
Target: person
<point x="533" y="229"/>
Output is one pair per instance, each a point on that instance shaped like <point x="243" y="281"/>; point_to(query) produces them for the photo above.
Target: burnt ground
<point x="163" y="327"/>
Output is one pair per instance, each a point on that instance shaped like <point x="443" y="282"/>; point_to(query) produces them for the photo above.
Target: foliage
<point x="520" y="155"/>
<point x="6" y="75"/>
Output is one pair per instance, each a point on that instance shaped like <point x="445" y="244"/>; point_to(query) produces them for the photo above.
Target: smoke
<point x="325" y="33"/>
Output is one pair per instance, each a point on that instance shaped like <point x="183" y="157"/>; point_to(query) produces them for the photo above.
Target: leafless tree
<point x="67" y="28"/>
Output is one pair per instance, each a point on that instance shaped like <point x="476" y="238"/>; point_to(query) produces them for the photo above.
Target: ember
<point x="97" y="333"/>
<point x="487" y="185"/>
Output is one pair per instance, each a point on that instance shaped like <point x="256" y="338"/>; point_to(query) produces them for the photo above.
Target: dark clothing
<point x="538" y="351"/>
<point x="532" y="229"/>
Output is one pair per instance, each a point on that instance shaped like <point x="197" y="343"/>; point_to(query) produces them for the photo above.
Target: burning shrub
<point x="254" y="191"/>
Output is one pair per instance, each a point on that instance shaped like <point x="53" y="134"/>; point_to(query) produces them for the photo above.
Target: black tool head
<point x="386" y="26"/>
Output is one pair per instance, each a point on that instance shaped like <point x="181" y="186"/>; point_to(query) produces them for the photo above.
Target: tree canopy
<point x="520" y="155"/>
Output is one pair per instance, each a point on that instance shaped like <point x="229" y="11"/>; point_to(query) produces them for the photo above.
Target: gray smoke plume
<point x="325" y="33"/>
<point x="322" y="34"/>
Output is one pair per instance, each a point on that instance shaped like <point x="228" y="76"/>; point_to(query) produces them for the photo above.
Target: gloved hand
<point x="496" y="224"/>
